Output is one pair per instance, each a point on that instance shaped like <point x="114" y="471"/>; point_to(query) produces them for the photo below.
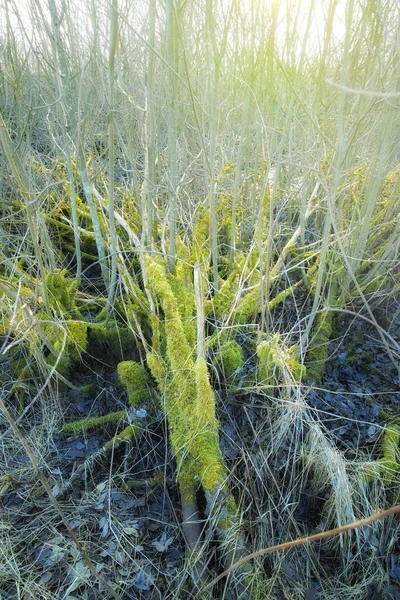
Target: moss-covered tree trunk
<point x="191" y="412"/>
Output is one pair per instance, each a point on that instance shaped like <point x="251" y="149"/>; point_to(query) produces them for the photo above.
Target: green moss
<point x="102" y="317"/>
<point x="155" y="362"/>
<point x="267" y="363"/>
<point x="390" y="444"/>
<point x="186" y="306"/>
<point x="387" y="468"/>
<point x="158" y="369"/>
<point x="89" y="389"/>
<point x="58" y="327"/>
<point x="183" y="269"/>
<point x="250" y="304"/>
<point x="61" y="293"/>
<point x="63" y="364"/>
<point x="158" y="479"/>
<point x="319" y="347"/>
<point x="178" y="348"/>
<point x="135" y="378"/>
<point x="138" y="311"/>
<point x="228" y="359"/>
<point x="66" y="337"/>
<point x="278" y="363"/>
<point x="179" y="385"/>
<point x="200" y="239"/>
<point x="392" y="419"/>
<point x="126" y="435"/>
<point x="92" y="423"/>
<point x="85" y="255"/>
<point x="17" y="368"/>
<point x="20" y="386"/>
<point x="204" y="445"/>
<point x="378" y="239"/>
<point x="223" y="300"/>
<point x="226" y="521"/>
<point x="76" y="339"/>
<point x="110" y="341"/>
<point x="279" y="298"/>
<point x="188" y="482"/>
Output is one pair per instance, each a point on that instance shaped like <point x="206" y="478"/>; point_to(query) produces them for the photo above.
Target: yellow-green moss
<point x="189" y="400"/>
<point x="278" y="363"/>
<point x="76" y="339"/>
<point x="135" y="378"/>
<point x="17" y="368"/>
<point x="387" y="468"/>
<point x="61" y="293"/>
<point x="188" y="481"/>
<point x="157" y="480"/>
<point x="110" y="341"/>
<point x="155" y="362"/>
<point x="183" y="269"/>
<point x="158" y="369"/>
<point x="204" y="445"/>
<point x="200" y="240"/>
<point x="178" y="348"/>
<point x="20" y="386"/>
<point x="102" y="316"/>
<point x="85" y="255"/>
<point x="228" y="359"/>
<point x="92" y="423"/>
<point x="90" y="389"/>
<point x="250" y="304"/>
<point x="186" y="305"/>
<point x="68" y="337"/>
<point x="279" y="298"/>
<point x="226" y="521"/>
<point x="318" y="351"/>
<point x="392" y="419"/>
<point x="53" y="328"/>
<point x="223" y="300"/>
<point x="267" y="364"/>
<point x="377" y="240"/>
<point x="390" y="444"/>
<point x="58" y="327"/>
<point x="179" y="388"/>
<point x="126" y="435"/>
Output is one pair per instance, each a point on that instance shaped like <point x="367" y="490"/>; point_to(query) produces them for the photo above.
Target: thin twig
<point x="312" y="538"/>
